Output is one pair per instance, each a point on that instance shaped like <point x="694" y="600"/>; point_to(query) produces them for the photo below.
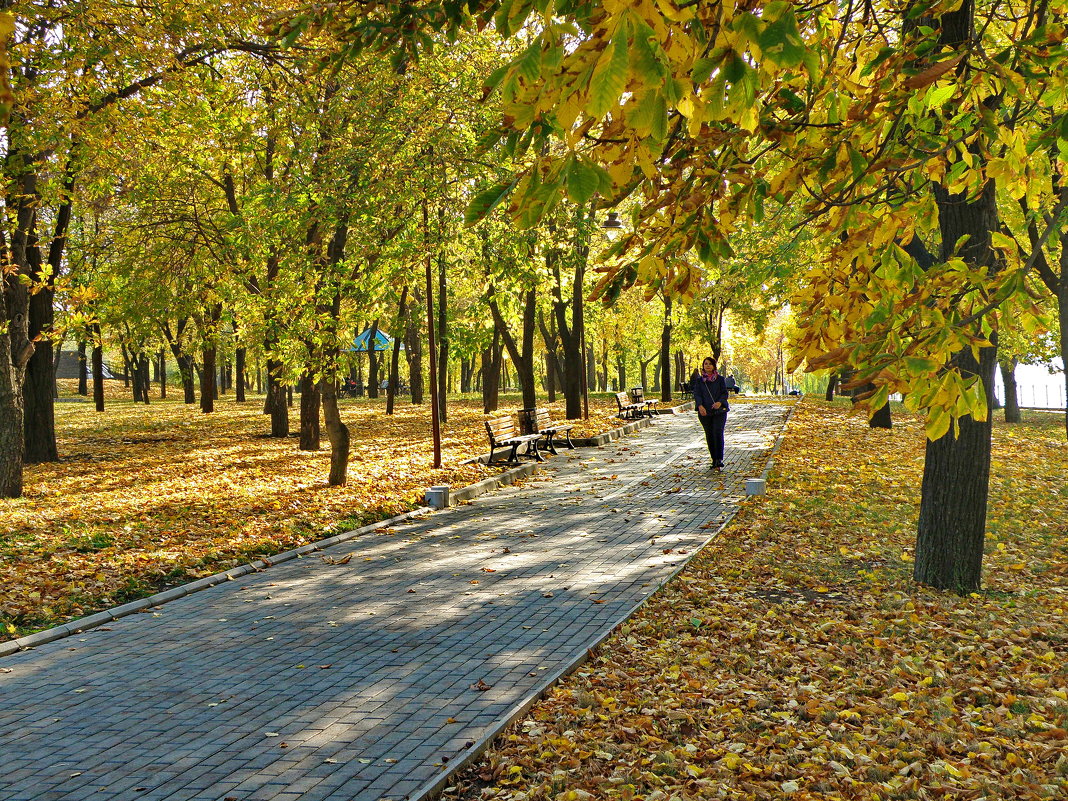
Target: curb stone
<point x="109" y="615"/>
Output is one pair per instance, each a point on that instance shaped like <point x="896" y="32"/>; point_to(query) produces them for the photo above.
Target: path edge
<point x="96" y="619"/>
<point x="433" y="788"/>
<point x="174" y="593"/>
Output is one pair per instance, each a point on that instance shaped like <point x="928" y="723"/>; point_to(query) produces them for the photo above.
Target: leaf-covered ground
<point x="146" y="497"/>
<point x="795" y="658"/>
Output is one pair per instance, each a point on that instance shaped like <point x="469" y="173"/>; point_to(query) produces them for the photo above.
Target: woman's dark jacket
<point x="705" y="393"/>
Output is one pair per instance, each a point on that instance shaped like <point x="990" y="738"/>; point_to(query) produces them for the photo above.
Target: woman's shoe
<point x="717" y="465"/>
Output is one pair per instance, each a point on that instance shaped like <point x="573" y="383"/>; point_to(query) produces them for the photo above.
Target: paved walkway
<point x="370" y="679"/>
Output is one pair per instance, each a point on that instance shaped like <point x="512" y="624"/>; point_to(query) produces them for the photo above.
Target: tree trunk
<point x="466" y="371"/>
<point x="832" y="384"/>
<point x="239" y="379"/>
<point x="665" y="354"/>
<point x="275" y="401"/>
<point x="207" y="381"/>
<point x="143" y="373"/>
<point x="953" y="503"/>
<point x="98" y="369"/>
<point x="413" y="345"/>
<point x="83" y="370"/>
<point x="522" y="359"/>
<point x="1012" y="398"/>
<point x="1062" y="316"/>
<point x="394" y="362"/>
<point x="12" y="433"/>
<point x="491" y="374"/>
<point x="162" y="362"/>
<point x="309" y="413"/>
<point x="338" y="434"/>
<point x="39" y="416"/>
<point x="372" y="360"/>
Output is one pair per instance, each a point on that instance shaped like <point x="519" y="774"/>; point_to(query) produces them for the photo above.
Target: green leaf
<point x="781" y="43"/>
<point x="487" y="200"/>
<point x="583" y="181"/>
<point x="702" y="70"/>
<point x="610" y="76"/>
<point x="938" y="95"/>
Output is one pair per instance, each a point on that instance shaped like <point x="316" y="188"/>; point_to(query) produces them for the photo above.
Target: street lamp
<point x="612" y="223"/>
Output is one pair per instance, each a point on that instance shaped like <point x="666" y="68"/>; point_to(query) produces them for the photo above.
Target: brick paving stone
<point x="193" y="699"/>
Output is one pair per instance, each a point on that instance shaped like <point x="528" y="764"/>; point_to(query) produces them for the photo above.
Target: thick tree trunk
<point x="83" y="370"/>
<point x="12" y="432"/>
<point x="143" y="375"/>
<point x="98" y="369"/>
<point x="953" y="503"/>
<point x="1062" y="316"/>
<point x="239" y="379"/>
<point x="491" y="374"/>
<point x="952" y="524"/>
<point x="832" y="384"/>
<point x="309" y="414"/>
<point x="207" y="381"/>
<point x="523" y="359"/>
<point x="338" y="434"/>
<point x="275" y="402"/>
<point x="1012" y="398"/>
<point x="39" y="410"/>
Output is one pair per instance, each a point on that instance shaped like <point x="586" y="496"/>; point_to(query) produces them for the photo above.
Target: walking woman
<point x="710" y="397"/>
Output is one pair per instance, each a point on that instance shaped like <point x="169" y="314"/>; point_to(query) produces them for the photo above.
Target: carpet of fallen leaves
<point x="794" y="658"/>
<point x="147" y="497"/>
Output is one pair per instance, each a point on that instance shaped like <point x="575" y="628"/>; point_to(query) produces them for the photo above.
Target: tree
<point x="883" y="138"/>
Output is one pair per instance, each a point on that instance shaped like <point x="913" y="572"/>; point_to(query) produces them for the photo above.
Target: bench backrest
<point x="500" y="428"/>
<point x="623" y="399"/>
<point x="541" y="420"/>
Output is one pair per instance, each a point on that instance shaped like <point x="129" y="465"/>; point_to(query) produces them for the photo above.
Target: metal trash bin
<point x="637" y="394"/>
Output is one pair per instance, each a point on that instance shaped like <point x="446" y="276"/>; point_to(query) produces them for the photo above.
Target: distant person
<point x="731" y="384"/>
<point x="710" y="397"/>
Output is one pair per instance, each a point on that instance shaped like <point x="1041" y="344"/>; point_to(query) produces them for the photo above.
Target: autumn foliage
<point x="796" y="659"/>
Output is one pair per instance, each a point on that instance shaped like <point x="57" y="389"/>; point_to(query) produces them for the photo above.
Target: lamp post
<point x="612" y="227"/>
<point x="435" y="424"/>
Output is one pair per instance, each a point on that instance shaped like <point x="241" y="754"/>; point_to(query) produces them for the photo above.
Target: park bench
<point x="637" y="395"/>
<point x="628" y="410"/>
<point x="542" y="424"/>
<point x="502" y="434"/>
